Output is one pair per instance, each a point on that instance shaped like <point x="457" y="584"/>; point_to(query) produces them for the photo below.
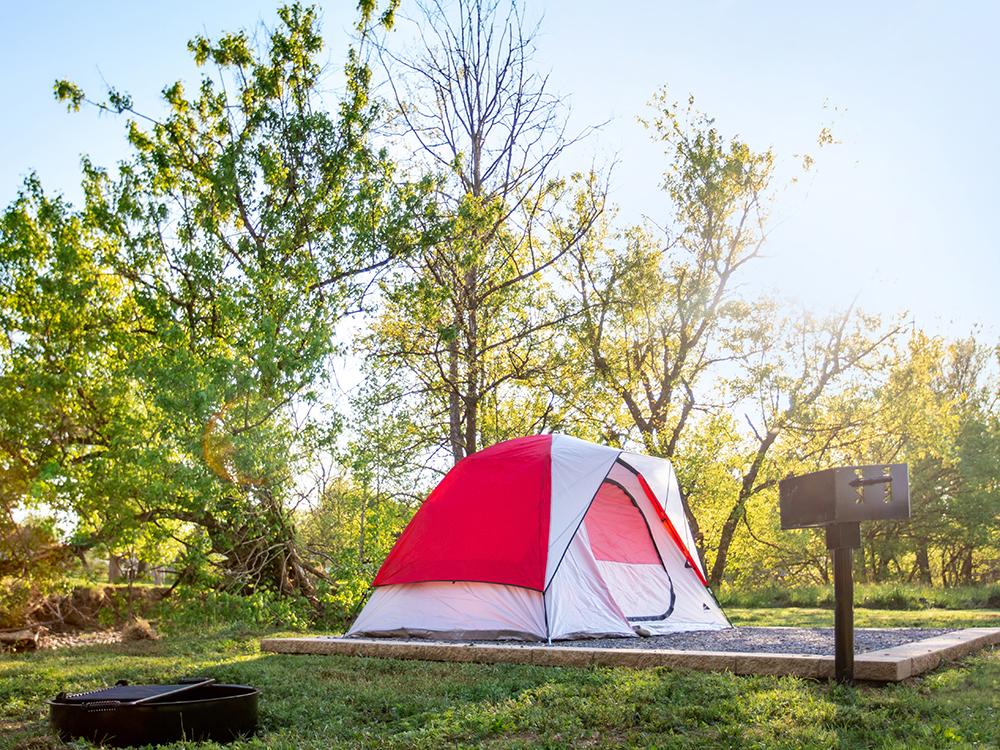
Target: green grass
<point x="323" y="702"/>
<point x="905" y="596"/>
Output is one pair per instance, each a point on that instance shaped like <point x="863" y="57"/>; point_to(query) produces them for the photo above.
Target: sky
<point x="900" y="215"/>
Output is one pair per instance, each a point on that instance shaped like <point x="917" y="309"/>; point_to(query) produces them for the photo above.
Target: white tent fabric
<point x="631" y="577"/>
<point x="462" y="609"/>
<point x="578" y="468"/>
<point x="578" y="603"/>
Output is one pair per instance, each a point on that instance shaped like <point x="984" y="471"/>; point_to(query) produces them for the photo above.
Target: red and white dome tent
<point x="540" y="538"/>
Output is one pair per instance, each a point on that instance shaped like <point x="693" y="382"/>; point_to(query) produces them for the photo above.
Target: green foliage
<point x="351" y="530"/>
<point x="655" y="311"/>
<point x="360" y="513"/>
<point x="17" y="595"/>
<point x="33" y="563"/>
<point x="160" y="339"/>
<point x="191" y="611"/>
<point x="69" y="92"/>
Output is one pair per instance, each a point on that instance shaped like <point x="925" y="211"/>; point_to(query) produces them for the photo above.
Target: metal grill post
<point x="842" y="539"/>
<point x="843" y="619"/>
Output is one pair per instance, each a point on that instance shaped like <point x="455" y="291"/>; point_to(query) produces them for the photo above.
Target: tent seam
<point x="577" y="529"/>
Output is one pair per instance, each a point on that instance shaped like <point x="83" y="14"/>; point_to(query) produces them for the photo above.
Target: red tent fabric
<point x="503" y="540"/>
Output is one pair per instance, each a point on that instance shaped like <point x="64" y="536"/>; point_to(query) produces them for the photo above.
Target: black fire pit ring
<point x="123" y="715"/>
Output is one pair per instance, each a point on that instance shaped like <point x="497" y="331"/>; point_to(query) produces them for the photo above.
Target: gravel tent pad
<point x="883" y="655"/>
<point x="817" y="641"/>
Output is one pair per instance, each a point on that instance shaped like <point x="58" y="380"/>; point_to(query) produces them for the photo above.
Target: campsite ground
<point x="322" y="702"/>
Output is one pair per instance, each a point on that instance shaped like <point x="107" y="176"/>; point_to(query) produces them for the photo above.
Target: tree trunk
<point x="746" y="492"/>
<point x="824" y="569"/>
<point x="454" y="397"/>
<point x="725" y="540"/>
<point x="361" y="528"/>
<point x="114" y="569"/>
<point x="699" y="539"/>
<point x="471" y="367"/>
<point x="923" y="562"/>
<point x="966" y="571"/>
<point x="882" y="569"/>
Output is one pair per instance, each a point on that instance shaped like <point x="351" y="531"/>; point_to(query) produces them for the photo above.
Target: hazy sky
<point x="901" y="213"/>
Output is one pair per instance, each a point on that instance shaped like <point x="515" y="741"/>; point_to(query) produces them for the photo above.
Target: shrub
<point x="191" y="611"/>
<point x="139" y="629"/>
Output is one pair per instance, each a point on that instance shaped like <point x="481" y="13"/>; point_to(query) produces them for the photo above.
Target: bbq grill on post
<point x="839" y="499"/>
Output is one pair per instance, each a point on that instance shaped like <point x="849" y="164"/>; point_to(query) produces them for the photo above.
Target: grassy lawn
<point x="868" y="618"/>
<point x="323" y="702"/>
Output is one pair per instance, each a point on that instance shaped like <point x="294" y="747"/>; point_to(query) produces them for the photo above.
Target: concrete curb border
<point x="888" y="665"/>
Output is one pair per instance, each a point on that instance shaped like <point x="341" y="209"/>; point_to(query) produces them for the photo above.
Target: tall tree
<point x="661" y="312"/>
<point x="658" y="313"/>
<point x="65" y="390"/>
<point x="666" y="337"/>
<point x="248" y="221"/>
<point x="936" y="412"/>
<point x="467" y="321"/>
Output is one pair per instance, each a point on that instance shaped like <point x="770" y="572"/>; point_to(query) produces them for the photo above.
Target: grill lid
<point x="124" y="693"/>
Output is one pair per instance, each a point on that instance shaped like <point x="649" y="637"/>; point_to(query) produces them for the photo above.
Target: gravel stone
<point x="817" y="641"/>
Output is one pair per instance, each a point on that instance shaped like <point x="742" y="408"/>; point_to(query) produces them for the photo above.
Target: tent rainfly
<point x="540" y="538"/>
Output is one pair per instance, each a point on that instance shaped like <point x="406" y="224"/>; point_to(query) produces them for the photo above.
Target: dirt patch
<point x="87" y="615"/>
<point x="74" y="640"/>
